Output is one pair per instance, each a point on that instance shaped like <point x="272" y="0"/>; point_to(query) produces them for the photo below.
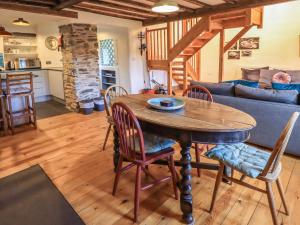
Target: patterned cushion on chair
<point x="244" y="158"/>
<point x="154" y="143"/>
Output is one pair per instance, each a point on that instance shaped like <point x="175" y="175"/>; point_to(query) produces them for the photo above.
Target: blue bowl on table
<point x="166" y="103"/>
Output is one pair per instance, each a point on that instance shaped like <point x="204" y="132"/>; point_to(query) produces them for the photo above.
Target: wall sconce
<point x="143" y="46"/>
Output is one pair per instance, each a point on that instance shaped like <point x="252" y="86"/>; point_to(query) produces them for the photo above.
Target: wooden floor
<point x="68" y="149"/>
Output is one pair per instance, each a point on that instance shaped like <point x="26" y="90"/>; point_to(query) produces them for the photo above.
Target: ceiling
<point x="139" y="10"/>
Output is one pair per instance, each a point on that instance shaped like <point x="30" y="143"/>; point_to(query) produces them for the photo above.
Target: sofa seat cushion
<point x="283" y="96"/>
<point x="226" y="89"/>
<point x="241" y="157"/>
<point x="154" y="143"/>
<point x="247" y="83"/>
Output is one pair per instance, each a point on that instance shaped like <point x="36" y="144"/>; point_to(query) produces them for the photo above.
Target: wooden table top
<point x="197" y="115"/>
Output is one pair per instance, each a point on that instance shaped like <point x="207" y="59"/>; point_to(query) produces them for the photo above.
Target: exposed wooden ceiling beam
<point x="114" y="13"/>
<point x="46" y="3"/>
<point x="110" y="6"/>
<point x="196" y="2"/>
<point x="66" y="4"/>
<point x="130" y="3"/>
<point x="13" y="5"/>
<point x="222" y="8"/>
<point x="188" y="9"/>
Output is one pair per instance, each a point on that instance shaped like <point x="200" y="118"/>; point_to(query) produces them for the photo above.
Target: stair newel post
<point x="221" y="56"/>
<point x="185" y="74"/>
<point x="169" y="44"/>
<point x="170" y="78"/>
<point x="198" y="64"/>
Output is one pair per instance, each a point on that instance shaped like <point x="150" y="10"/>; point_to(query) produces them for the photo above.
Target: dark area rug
<point x="30" y="198"/>
<point x="49" y="109"/>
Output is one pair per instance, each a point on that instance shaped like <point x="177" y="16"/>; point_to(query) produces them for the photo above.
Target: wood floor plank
<point x="68" y="147"/>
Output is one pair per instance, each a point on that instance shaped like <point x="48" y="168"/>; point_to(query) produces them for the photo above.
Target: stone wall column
<point x="80" y="63"/>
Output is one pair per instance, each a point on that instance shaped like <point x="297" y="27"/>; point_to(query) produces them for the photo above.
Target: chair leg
<point x="10" y="117"/>
<point x="106" y="137"/>
<point x="117" y="176"/>
<point x="174" y="177"/>
<point x="34" y="110"/>
<point x="281" y="192"/>
<point x="271" y="202"/>
<point x="29" y="120"/>
<point x="197" y="152"/>
<point x="217" y="184"/>
<point x="137" y="192"/>
<point x="3" y="115"/>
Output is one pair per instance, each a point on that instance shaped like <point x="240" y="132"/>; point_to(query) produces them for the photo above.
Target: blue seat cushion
<point x="247" y="159"/>
<point x="154" y="143"/>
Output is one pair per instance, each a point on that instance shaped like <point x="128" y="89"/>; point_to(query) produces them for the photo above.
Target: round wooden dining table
<point x="198" y="122"/>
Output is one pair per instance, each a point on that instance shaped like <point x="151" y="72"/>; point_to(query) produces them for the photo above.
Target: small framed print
<point x="246" y="53"/>
<point x="234" y="54"/>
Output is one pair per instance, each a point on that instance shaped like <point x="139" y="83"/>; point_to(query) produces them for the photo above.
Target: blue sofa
<point x="271" y="117"/>
<point x="271" y="110"/>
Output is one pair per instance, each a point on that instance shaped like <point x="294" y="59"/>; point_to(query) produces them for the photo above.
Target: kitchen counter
<point x="30" y="70"/>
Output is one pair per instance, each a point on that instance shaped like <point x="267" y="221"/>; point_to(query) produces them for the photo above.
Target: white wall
<point x="121" y="37"/>
<point x="45" y="54"/>
<point x="279" y="44"/>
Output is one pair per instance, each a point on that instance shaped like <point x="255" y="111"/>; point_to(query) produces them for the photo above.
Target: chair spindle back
<point x="111" y="93"/>
<point x="129" y="131"/>
<point x="280" y="145"/>
<point x="24" y="80"/>
<point x="198" y="92"/>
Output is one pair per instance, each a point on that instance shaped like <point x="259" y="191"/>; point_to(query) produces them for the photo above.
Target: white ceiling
<point x="7" y="16"/>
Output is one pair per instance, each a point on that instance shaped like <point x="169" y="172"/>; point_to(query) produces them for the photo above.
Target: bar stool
<point x="2" y="110"/>
<point x="20" y="85"/>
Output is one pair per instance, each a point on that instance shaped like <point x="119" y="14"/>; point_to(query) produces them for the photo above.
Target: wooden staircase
<point x="176" y="47"/>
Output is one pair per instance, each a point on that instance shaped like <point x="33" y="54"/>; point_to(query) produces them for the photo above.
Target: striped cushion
<point x="241" y="157"/>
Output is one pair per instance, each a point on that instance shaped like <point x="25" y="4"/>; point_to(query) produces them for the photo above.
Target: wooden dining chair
<point x="3" y="120"/>
<point x="254" y="163"/>
<point x="20" y="85"/>
<point x="198" y="92"/>
<point x="140" y="149"/>
<point x="111" y="93"/>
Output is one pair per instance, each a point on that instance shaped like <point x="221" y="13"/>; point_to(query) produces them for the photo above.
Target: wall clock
<point x="51" y="43"/>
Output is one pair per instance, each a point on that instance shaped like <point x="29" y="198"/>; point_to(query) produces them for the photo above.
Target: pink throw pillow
<point x="282" y="77"/>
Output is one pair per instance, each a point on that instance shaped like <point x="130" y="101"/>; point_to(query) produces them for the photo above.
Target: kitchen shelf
<point x="24" y="46"/>
<point x="108" y="83"/>
<point x="108" y="77"/>
<point x="20" y="53"/>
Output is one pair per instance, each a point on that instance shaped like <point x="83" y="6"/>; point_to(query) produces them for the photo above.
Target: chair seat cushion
<point x="241" y="157"/>
<point x="154" y="143"/>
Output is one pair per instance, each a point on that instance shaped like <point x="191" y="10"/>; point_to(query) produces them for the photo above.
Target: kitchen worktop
<point x="30" y="70"/>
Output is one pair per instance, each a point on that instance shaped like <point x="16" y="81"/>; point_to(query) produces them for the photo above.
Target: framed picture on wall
<point x="234" y="54"/>
<point x="246" y="53"/>
<point x="108" y="52"/>
<point x="249" y="43"/>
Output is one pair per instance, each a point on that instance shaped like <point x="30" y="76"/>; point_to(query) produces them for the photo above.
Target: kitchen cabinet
<point x="40" y="84"/>
<point x="56" y="84"/>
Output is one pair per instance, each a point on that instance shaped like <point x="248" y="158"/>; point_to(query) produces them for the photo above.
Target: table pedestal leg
<point x="186" y="201"/>
<point x="116" y="148"/>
